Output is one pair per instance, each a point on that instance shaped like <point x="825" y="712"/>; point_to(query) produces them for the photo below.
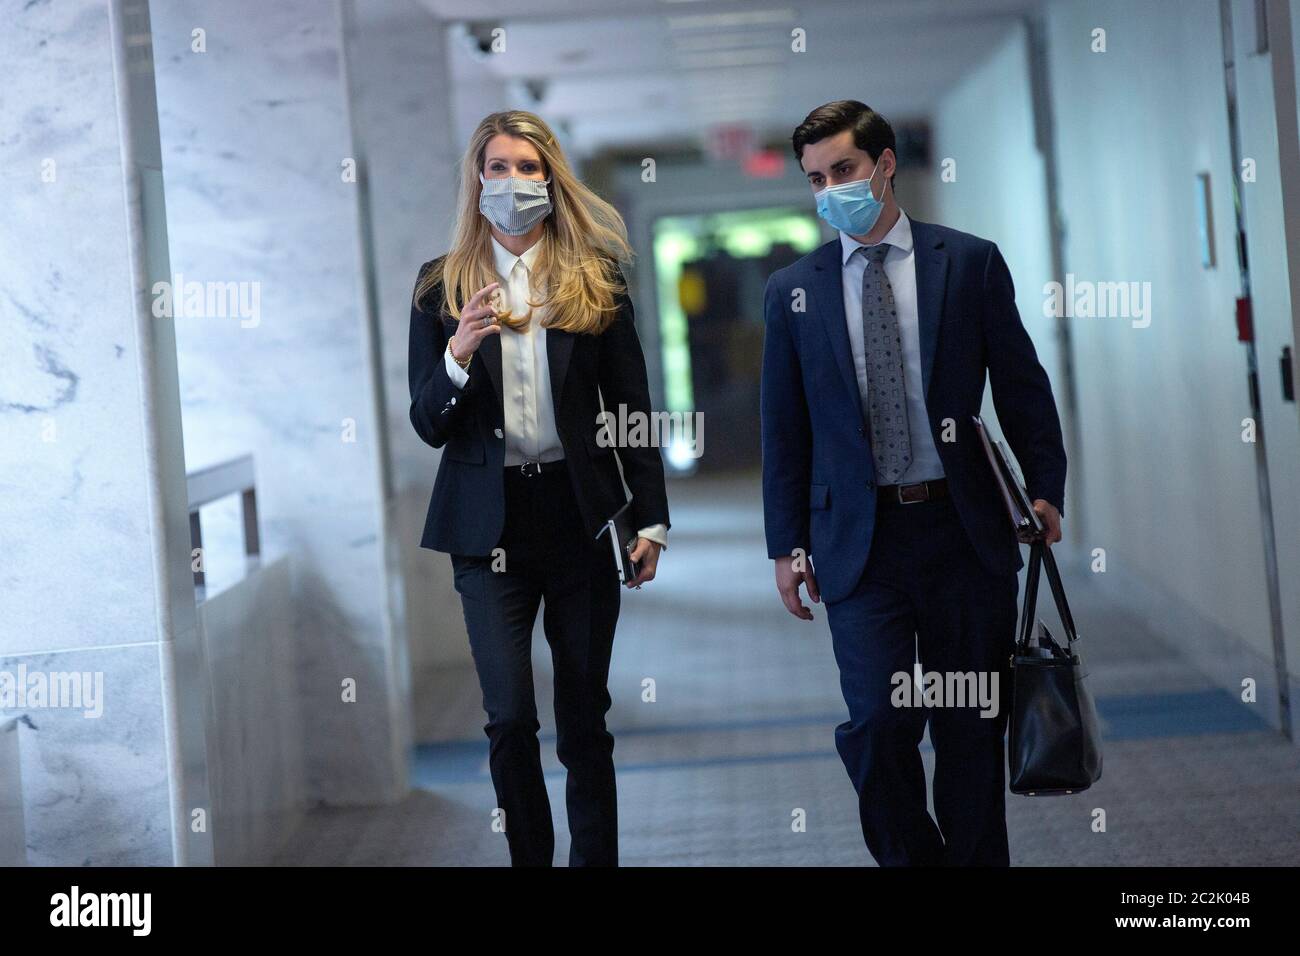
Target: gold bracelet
<point x="464" y="364"/>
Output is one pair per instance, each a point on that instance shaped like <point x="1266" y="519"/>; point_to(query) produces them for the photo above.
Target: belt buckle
<point x="921" y="488"/>
<point x="523" y="468"/>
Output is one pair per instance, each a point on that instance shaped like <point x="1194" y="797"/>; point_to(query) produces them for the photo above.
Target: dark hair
<point x="871" y="131"/>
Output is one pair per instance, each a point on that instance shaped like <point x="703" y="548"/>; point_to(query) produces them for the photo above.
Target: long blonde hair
<point x="584" y="237"/>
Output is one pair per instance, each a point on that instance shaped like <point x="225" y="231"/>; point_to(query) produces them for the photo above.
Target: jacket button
<point x="498" y="433"/>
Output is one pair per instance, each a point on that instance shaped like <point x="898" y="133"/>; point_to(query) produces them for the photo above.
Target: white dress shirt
<point x="530" y="432"/>
<point x="900" y="269"/>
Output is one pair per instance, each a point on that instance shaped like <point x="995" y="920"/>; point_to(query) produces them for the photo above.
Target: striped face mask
<point x="514" y="205"/>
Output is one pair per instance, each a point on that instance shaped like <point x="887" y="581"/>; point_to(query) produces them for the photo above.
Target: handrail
<point x="233" y="477"/>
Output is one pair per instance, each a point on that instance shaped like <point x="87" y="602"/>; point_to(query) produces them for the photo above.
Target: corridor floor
<point x="738" y="739"/>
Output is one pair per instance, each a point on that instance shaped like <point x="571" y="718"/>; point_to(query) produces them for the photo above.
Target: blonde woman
<point x="516" y="334"/>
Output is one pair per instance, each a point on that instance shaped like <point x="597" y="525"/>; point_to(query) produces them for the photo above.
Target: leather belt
<point x="914" y="493"/>
<point x="531" y="469"/>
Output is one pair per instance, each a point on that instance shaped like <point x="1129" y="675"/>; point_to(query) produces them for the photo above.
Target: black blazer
<point x="467" y="508"/>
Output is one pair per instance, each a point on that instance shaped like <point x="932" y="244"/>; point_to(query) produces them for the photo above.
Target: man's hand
<point x="1051" y="520"/>
<point x="788" y="581"/>
<point x="646" y="553"/>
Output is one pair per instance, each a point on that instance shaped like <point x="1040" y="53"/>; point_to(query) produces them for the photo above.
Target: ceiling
<point x="629" y="73"/>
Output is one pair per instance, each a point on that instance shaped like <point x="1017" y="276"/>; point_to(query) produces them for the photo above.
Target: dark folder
<point x="622" y="538"/>
<point x="1024" y="519"/>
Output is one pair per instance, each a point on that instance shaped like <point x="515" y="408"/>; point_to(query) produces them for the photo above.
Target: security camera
<point x="477" y="38"/>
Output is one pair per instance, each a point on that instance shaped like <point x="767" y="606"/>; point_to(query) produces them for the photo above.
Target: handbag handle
<point x="1040" y="554"/>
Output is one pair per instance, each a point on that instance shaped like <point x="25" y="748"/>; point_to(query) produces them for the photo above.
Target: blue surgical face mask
<point x="850" y="207"/>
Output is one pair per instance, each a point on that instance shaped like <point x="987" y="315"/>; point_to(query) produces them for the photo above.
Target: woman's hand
<point x="646" y="553"/>
<point x="477" y="322"/>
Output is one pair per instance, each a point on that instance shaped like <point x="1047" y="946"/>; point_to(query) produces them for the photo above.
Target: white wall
<point x="1170" y="491"/>
<point x="989" y="179"/>
<point x="1168" y="487"/>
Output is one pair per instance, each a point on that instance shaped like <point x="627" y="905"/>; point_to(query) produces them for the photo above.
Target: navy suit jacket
<point x="819" y="483"/>
<point x="467" y="507"/>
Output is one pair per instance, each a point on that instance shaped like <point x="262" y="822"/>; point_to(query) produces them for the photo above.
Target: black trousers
<point x="545" y="557"/>
<point x="925" y="588"/>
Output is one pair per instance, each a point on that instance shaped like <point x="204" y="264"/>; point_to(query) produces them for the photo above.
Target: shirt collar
<point x="900" y="235"/>
<point x="505" y="260"/>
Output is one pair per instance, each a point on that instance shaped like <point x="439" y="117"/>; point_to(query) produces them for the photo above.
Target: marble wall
<point x="95" y="568"/>
<point x="308" y="151"/>
<point x="13" y="830"/>
<point x="255" y="746"/>
<point x="260" y="162"/>
<point x="399" y="75"/>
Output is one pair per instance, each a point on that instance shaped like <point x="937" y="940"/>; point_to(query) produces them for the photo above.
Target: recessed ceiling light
<point x="724" y="41"/>
<point x="704" y="21"/>
<point x="725" y="58"/>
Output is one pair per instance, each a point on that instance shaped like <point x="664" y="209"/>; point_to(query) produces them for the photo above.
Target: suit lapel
<point x="559" y="346"/>
<point x="489" y="350"/>
<point x="931" y="284"/>
<point x="828" y="302"/>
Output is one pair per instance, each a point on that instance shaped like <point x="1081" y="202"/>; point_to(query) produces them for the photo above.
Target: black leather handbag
<point x="1055" y="745"/>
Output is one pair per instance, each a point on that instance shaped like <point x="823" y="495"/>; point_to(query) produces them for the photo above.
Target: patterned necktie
<point x="886" y="398"/>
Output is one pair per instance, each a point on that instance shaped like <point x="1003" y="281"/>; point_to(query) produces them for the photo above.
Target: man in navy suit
<point x="874" y="362"/>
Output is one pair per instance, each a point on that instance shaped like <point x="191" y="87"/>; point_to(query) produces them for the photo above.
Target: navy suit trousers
<point x="924" y="589"/>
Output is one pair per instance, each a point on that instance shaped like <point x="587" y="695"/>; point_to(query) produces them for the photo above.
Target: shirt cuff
<point x="657" y="533"/>
<point x="457" y="374"/>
